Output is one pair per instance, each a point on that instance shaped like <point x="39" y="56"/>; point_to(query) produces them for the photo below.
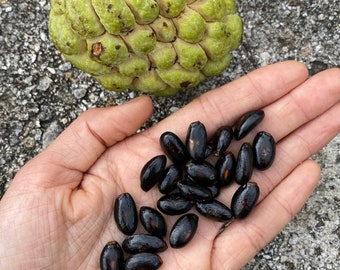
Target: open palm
<point x="57" y="213"/>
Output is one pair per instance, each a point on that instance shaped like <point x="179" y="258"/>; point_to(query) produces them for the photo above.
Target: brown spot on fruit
<point x="97" y="49"/>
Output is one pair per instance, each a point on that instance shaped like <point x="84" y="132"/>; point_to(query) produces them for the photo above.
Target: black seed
<point x="225" y="167"/>
<point x="222" y="140"/>
<point x="174" y="204"/>
<point x="247" y="122"/>
<point x="168" y="183"/>
<point x="194" y="191"/>
<point x="174" y="148"/>
<point x="244" y="164"/>
<point x="264" y="150"/>
<point x="214" y="210"/>
<point x="203" y="173"/>
<point x="244" y="199"/>
<point x="138" y="243"/>
<point x="183" y="230"/>
<point x="125" y="214"/>
<point x="196" y="141"/>
<point x="142" y="261"/>
<point x="153" y="221"/>
<point x="112" y="257"/>
<point x="152" y="172"/>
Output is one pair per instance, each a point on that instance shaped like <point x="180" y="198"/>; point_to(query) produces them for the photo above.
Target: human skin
<point x="57" y="212"/>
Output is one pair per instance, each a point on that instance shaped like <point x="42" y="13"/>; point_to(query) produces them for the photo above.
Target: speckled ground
<point x="40" y="94"/>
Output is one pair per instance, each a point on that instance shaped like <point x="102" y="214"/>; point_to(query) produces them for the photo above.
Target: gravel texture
<point x="41" y="94"/>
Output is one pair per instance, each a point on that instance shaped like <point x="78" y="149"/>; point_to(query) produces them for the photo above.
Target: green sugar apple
<point x="154" y="46"/>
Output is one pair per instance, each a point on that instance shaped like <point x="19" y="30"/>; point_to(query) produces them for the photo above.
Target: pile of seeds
<point x="192" y="180"/>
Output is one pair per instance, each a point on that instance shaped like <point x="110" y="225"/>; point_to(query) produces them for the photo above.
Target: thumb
<point x="83" y="142"/>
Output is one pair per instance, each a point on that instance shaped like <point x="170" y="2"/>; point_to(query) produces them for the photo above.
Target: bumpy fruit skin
<point x="154" y="46"/>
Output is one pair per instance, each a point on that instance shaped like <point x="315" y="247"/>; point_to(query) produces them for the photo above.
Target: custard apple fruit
<point x="154" y="46"/>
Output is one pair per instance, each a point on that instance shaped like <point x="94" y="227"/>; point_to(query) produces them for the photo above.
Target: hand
<point x="57" y="212"/>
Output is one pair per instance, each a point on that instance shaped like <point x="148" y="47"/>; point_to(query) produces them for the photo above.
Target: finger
<point x="225" y="104"/>
<point x="300" y="145"/>
<point x="301" y="105"/>
<point x="308" y="122"/>
<point x="244" y="238"/>
<point x="80" y="145"/>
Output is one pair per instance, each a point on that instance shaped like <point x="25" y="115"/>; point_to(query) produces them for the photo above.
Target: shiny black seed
<point x="222" y="140"/>
<point x="203" y="173"/>
<point x="112" y="257"/>
<point x="196" y="141"/>
<point x="142" y="261"/>
<point x="244" y="199"/>
<point x="138" y="243"/>
<point x="174" y="148"/>
<point x="214" y="210"/>
<point x="194" y="191"/>
<point x="247" y="122"/>
<point x="225" y="167"/>
<point x="264" y="150"/>
<point x="174" y="204"/>
<point x="168" y="183"/>
<point x="125" y="214"/>
<point x="183" y="230"/>
<point x="152" y="221"/>
<point x="244" y="164"/>
<point x="152" y="172"/>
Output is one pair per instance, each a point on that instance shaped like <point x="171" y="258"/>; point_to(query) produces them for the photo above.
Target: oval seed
<point x="214" y="210"/>
<point x="203" y="173"/>
<point x="152" y="172"/>
<point x="143" y="260"/>
<point x="196" y="141"/>
<point x="244" y="199"/>
<point x="168" y="182"/>
<point x="222" y="140"/>
<point x="112" y="257"/>
<point x="125" y="214"/>
<point x="244" y="164"/>
<point x="153" y="221"/>
<point x="183" y="230"/>
<point x="194" y="191"/>
<point x="264" y="150"/>
<point x="247" y="122"/>
<point x="138" y="243"/>
<point x="225" y="167"/>
<point x="174" y="148"/>
<point x="174" y="204"/>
